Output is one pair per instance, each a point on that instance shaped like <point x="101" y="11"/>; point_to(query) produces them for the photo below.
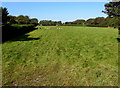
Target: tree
<point x="59" y="23"/>
<point x="90" y="22"/>
<point x="106" y="22"/>
<point x="50" y="23"/>
<point x="98" y="21"/>
<point x="12" y="19"/>
<point x="113" y="22"/>
<point x="79" y="22"/>
<point x="112" y="9"/>
<point x="20" y="19"/>
<point x="5" y="17"/>
<point x="34" y="21"/>
<point x="26" y="19"/>
<point x="23" y="19"/>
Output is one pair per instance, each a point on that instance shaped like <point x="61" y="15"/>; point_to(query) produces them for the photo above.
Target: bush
<point x="12" y="31"/>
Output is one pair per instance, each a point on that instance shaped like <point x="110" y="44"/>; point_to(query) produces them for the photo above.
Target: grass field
<point x="70" y="56"/>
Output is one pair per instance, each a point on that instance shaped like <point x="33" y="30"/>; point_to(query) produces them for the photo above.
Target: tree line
<point x="21" y="19"/>
<point x="13" y="26"/>
<point x="94" y="22"/>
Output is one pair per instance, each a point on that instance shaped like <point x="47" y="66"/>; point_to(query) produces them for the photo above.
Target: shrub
<point x="14" y="30"/>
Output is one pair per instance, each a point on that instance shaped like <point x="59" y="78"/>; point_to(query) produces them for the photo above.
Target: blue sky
<point x="64" y="11"/>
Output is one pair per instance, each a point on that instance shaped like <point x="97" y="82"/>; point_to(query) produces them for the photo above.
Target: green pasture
<point x="62" y="56"/>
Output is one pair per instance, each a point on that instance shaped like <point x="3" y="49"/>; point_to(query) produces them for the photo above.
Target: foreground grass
<point x="70" y="56"/>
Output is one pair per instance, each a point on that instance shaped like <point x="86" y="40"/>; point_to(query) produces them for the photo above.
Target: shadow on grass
<point x="118" y="39"/>
<point x="24" y="38"/>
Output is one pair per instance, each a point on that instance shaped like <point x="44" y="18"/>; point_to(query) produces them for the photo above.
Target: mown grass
<point x="70" y="56"/>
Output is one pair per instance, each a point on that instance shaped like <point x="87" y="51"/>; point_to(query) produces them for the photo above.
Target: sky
<point x="56" y="0"/>
<point x="57" y="11"/>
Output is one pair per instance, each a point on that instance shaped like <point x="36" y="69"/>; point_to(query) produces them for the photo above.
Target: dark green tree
<point x="12" y="19"/>
<point x="26" y="19"/>
<point x="50" y="23"/>
<point x="34" y="21"/>
<point x="5" y="17"/>
<point x="79" y="22"/>
<point x="106" y="22"/>
<point x="98" y="21"/>
<point x="113" y="22"/>
<point x="90" y="22"/>
<point x="112" y="9"/>
<point x="23" y="19"/>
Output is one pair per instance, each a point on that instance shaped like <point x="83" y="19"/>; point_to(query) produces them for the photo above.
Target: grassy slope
<point x="77" y="56"/>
